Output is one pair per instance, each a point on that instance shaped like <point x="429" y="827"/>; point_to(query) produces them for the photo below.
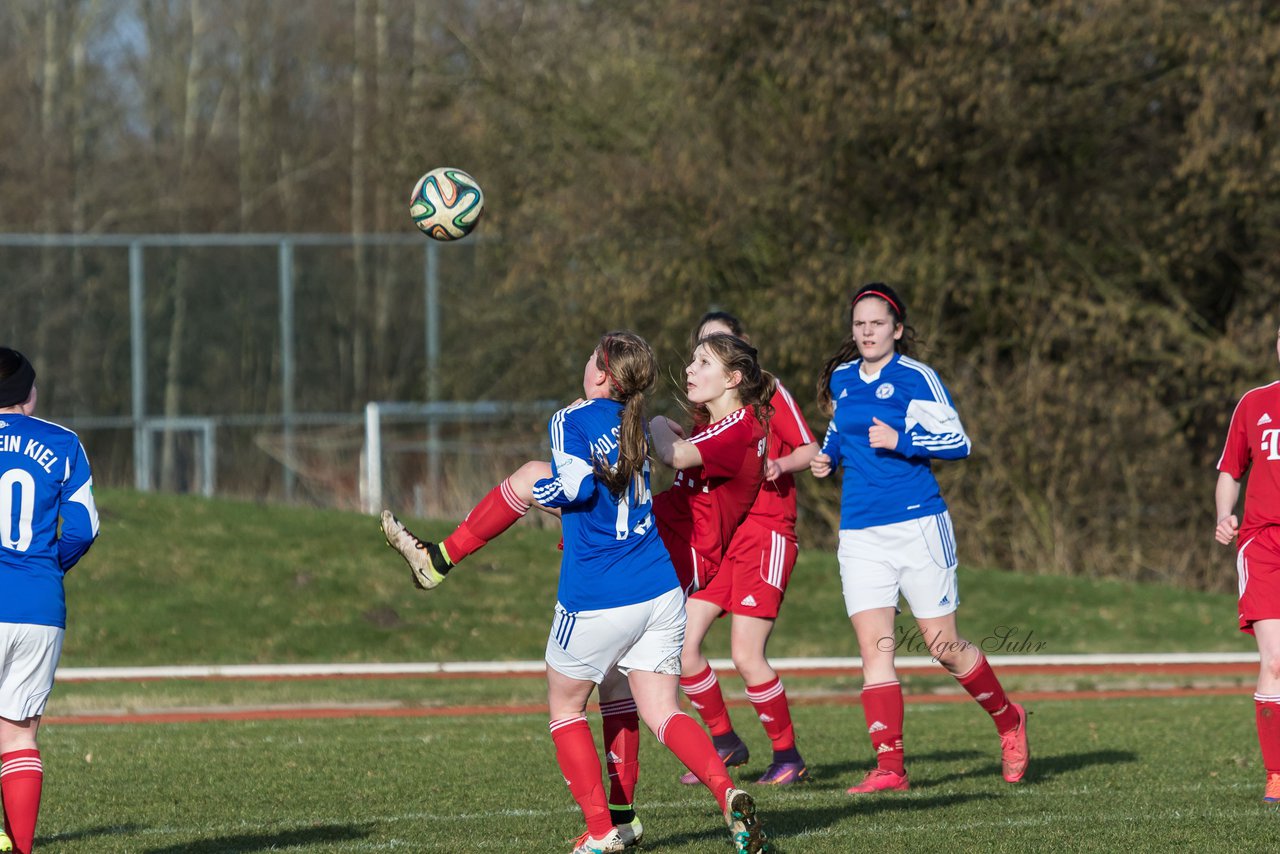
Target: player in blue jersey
<point x="890" y="416"/>
<point x="619" y="609"/>
<point x="44" y="478"/>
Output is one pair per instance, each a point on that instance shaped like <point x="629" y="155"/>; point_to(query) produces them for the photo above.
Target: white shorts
<point x="646" y="636"/>
<point x="915" y="559"/>
<point x="28" y="658"/>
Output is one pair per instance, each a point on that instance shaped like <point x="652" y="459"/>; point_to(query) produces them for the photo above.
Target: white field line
<point x="429" y="668"/>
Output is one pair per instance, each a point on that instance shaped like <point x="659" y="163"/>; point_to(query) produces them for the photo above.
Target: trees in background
<point x="1078" y="200"/>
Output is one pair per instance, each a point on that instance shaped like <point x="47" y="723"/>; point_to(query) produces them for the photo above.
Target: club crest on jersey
<point x="884" y="391"/>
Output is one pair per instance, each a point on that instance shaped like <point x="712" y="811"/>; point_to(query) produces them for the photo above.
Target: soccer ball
<point x="446" y="203"/>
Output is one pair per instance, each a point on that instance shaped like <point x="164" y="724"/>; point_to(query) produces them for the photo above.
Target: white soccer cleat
<point x="631" y="833"/>
<point x="6" y="844"/>
<point x="425" y="559"/>
<point x="588" y="844"/>
<point x="744" y="825"/>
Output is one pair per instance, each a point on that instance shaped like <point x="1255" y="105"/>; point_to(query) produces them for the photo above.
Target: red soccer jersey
<point x="705" y="505"/>
<point x="775" y="506"/>
<point x="1253" y="446"/>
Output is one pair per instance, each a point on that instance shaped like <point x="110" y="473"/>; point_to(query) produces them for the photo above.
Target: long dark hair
<point x="757" y="386"/>
<point x="730" y="320"/>
<point x="849" y="347"/>
<point x="628" y="361"/>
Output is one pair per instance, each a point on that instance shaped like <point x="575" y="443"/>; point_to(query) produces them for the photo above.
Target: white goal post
<point x="433" y="415"/>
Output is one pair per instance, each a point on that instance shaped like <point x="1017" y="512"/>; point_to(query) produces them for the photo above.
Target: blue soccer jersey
<point x="613" y="555"/>
<point x="882" y="486"/>
<point x="44" y="477"/>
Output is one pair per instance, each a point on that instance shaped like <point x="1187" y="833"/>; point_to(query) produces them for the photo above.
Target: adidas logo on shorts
<point x="749" y="602"/>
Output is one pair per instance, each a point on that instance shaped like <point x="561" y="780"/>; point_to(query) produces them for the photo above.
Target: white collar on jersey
<point x="869" y="378"/>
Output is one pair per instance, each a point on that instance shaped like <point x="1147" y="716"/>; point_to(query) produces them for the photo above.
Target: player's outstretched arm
<point x="670" y="447"/>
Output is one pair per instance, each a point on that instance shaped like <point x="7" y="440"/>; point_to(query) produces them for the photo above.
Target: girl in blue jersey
<point x="44" y="478"/>
<point x="890" y="416"/>
<point x="619" y="609"/>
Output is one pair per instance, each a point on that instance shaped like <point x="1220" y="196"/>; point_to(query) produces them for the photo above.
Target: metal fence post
<point x="286" y="362"/>
<point x="432" y="312"/>
<point x="138" y="365"/>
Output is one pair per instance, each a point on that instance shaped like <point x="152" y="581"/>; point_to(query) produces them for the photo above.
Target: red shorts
<point x="692" y="569"/>
<point x="754" y="574"/>
<point x="1258" y="571"/>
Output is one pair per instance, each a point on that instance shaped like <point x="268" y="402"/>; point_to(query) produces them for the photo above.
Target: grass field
<point x="181" y="580"/>
<point x="1133" y="775"/>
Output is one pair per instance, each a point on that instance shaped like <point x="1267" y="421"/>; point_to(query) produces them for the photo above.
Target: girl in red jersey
<point x="750" y="584"/>
<point x="719" y="468"/>
<point x="1253" y="447"/>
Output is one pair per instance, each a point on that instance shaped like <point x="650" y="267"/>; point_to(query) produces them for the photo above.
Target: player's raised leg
<point x="501" y="508"/>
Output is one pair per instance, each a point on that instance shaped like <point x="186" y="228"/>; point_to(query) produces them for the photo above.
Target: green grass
<point x="177" y="579"/>
<point x="1103" y="779"/>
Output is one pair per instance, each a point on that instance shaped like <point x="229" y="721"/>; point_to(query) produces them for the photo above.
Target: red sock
<point x="983" y="686"/>
<point x="622" y="751"/>
<point x="580" y="765"/>
<point x="703" y="691"/>
<point x="770" y="703"/>
<point x="1267" y="712"/>
<point x="883" y="709"/>
<point x="692" y="746"/>
<point x="496" y="512"/>
<point x="21" y="778"/>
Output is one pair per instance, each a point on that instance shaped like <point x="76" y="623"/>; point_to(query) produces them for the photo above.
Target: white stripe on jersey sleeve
<point x="805" y="437"/>
<point x="930" y="377"/>
<point x="720" y="426"/>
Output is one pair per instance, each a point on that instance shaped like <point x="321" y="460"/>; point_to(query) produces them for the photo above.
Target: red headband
<point x="882" y="296"/>
<point x="604" y="352"/>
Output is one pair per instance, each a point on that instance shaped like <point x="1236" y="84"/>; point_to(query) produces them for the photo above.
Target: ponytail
<point x="628" y="361"/>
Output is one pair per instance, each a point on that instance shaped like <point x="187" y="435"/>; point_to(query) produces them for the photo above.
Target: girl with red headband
<point x="890" y="416"/>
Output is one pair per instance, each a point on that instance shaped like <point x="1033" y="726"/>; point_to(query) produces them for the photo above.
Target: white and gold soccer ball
<point x="446" y="203"/>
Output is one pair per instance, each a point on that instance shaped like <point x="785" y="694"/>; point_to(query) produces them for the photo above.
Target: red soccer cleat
<point x="1272" y="793"/>
<point x="1014" y="750"/>
<point x="881" y="780"/>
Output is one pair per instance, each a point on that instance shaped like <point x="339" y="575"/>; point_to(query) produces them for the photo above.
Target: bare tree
<point x="173" y="385"/>
<point x="359" y="205"/>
